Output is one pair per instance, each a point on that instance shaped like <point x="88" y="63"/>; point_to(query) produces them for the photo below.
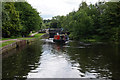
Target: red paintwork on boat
<point x="59" y="39"/>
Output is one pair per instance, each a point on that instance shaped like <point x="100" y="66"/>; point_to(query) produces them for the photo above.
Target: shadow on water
<point x="21" y="61"/>
<point x="45" y="59"/>
<point x="101" y="60"/>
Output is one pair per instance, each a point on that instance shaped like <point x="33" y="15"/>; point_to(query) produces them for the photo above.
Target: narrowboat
<point x="62" y="38"/>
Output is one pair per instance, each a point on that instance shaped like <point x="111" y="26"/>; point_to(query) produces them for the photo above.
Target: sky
<point x="51" y="8"/>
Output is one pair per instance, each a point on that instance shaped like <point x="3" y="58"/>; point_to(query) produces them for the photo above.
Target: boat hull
<point x="59" y="41"/>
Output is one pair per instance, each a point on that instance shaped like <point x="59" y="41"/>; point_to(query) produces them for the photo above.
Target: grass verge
<point x="6" y="43"/>
<point x="38" y="35"/>
<point x="19" y="38"/>
<point x="88" y="40"/>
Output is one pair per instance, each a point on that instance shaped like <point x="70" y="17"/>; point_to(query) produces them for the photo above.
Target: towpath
<point x="9" y="40"/>
<point x="1" y="41"/>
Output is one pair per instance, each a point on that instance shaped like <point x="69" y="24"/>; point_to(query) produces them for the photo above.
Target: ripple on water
<point x="66" y="46"/>
<point x="73" y="47"/>
<point x="37" y="64"/>
<point x="31" y="65"/>
<point x="80" y="47"/>
<point x="34" y="71"/>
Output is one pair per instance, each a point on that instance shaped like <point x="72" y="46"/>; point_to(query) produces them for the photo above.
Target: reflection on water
<point x="54" y="63"/>
<point x="45" y="59"/>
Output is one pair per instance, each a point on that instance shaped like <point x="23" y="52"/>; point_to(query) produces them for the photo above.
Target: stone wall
<point x="16" y="44"/>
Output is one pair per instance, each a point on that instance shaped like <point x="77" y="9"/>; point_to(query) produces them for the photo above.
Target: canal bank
<point x="17" y="43"/>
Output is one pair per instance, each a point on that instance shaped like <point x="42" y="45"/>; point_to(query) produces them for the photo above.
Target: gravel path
<point x="34" y="34"/>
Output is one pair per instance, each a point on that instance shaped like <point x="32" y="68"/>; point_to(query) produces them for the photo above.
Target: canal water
<point x="45" y="59"/>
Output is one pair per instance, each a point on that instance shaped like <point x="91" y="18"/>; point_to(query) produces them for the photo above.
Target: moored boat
<point x="62" y="38"/>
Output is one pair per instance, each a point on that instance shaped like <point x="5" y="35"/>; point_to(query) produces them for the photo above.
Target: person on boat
<point x="57" y="36"/>
<point x="57" y="33"/>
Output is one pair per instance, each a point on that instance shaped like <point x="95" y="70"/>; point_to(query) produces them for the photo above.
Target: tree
<point x="30" y="19"/>
<point x="100" y="21"/>
<point x="11" y="25"/>
<point x="110" y="20"/>
<point x="82" y="25"/>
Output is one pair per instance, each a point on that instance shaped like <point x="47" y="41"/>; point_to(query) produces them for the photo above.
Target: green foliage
<point x="100" y="22"/>
<point x="7" y="43"/>
<point x="29" y="17"/>
<point x="55" y="22"/>
<point x="46" y="24"/>
<point x="110" y="20"/>
<point x="11" y="25"/>
<point x="82" y="25"/>
<point x="19" y="18"/>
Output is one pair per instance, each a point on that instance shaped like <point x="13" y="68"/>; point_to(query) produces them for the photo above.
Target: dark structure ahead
<point x="53" y="31"/>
